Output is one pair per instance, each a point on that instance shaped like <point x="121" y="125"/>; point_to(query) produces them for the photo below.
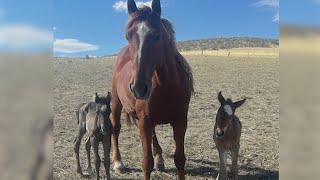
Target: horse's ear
<point x="239" y="103"/>
<point x="156" y="7"/>
<point x="221" y="98"/>
<point x="132" y="7"/>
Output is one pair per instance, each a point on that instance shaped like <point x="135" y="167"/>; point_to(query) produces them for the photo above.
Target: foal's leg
<point x="157" y="153"/>
<point x="97" y="160"/>
<point x="222" y="165"/>
<point x="76" y="143"/>
<point x="179" y="131"/>
<point x="88" y="148"/>
<point x="106" y="150"/>
<point x="116" y="108"/>
<point x="146" y="129"/>
<point x="234" y="166"/>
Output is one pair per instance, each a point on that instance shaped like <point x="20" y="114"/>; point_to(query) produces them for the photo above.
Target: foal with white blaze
<point x="227" y="132"/>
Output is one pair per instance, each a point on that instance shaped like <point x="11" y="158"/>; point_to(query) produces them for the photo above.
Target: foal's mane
<point x="182" y="64"/>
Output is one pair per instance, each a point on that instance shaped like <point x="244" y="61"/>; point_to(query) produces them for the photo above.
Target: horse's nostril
<point x="145" y="89"/>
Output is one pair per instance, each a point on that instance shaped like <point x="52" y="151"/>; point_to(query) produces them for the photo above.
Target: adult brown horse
<point x="153" y="83"/>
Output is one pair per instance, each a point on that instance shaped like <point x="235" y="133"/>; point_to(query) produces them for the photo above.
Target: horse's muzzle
<point x="140" y="90"/>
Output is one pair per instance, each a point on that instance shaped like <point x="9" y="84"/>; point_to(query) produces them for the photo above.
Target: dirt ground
<point x="76" y="81"/>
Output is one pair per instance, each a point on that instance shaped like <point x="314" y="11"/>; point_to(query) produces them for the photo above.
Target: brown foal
<point x="227" y="132"/>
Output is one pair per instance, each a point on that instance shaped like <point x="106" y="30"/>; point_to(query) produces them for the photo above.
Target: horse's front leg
<point x="116" y="108"/>
<point x="179" y="130"/>
<point x="97" y="161"/>
<point x="88" y="147"/>
<point x="146" y="129"/>
<point x="222" y="165"/>
<point x="234" y="166"/>
<point x="106" y="150"/>
<point x="76" y="148"/>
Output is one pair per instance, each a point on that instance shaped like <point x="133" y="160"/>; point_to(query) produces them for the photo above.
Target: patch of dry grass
<point x="255" y="78"/>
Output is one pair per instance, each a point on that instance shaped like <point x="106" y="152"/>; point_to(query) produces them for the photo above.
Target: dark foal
<point x="227" y="132"/>
<point x="153" y="83"/>
<point x="93" y="118"/>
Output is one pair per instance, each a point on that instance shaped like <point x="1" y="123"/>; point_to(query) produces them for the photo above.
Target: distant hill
<point x="226" y="43"/>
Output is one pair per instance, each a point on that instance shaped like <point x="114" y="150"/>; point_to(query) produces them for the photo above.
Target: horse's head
<point x="145" y="34"/>
<point x="225" y="114"/>
<point x="103" y="113"/>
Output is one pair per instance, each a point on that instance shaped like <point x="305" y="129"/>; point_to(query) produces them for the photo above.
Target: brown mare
<point x="153" y="83"/>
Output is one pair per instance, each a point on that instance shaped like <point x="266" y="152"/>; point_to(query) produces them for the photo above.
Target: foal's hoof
<point x="79" y="171"/>
<point x="159" y="167"/>
<point x="90" y="171"/>
<point x="159" y="163"/>
<point x="118" y="167"/>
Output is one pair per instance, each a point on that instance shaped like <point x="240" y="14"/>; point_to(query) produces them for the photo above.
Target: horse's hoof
<point x="118" y="166"/>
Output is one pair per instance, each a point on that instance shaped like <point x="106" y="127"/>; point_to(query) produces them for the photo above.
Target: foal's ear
<point x="132" y="7"/>
<point x="156" y="7"/>
<point x="109" y="95"/>
<point x="221" y="98"/>
<point x="239" y="103"/>
<point x="95" y="97"/>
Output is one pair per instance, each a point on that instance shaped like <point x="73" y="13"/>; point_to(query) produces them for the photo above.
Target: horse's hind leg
<point x="106" y="150"/>
<point x="76" y="143"/>
<point x="97" y="160"/>
<point x="88" y="147"/>
<point x="157" y="153"/>
<point x="116" y="108"/>
<point x="179" y="131"/>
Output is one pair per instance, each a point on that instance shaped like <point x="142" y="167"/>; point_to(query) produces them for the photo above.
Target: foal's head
<point x="146" y="35"/>
<point x="225" y="114"/>
<point x="103" y="111"/>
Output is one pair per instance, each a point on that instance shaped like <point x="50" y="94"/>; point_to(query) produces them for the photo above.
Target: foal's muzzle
<point x="219" y="132"/>
<point x="140" y="90"/>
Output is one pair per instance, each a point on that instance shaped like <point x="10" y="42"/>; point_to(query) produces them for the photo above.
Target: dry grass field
<point x="238" y="52"/>
<point x="257" y="79"/>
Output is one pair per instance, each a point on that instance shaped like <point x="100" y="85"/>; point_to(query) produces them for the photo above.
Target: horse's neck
<point x="168" y="71"/>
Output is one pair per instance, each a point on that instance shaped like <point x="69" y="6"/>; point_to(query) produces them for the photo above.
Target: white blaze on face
<point x="142" y="31"/>
<point x="227" y="109"/>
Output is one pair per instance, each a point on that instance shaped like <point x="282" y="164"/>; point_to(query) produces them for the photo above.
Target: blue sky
<point x="96" y="27"/>
<point x="99" y="23"/>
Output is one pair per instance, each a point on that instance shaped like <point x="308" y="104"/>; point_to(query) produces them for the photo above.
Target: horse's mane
<point x="182" y="64"/>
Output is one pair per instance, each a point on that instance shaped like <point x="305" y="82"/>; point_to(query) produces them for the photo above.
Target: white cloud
<point x="23" y="36"/>
<point x="272" y="4"/>
<point x="72" y="46"/>
<point x="121" y="6"/>
<point x="275" y="18"/>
